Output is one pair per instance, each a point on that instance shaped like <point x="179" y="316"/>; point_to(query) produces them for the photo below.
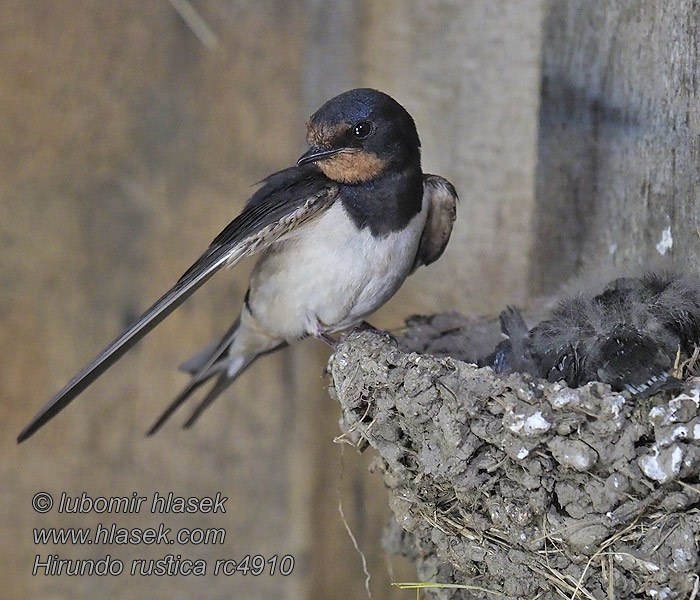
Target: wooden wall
<point x="619" y="149"/>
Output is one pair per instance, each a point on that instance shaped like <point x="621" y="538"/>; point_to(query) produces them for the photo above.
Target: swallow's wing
<point x="287" y="199"/>
<point x="442" y="212"/>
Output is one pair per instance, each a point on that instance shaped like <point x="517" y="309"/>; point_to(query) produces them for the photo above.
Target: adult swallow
<point x="336" y="236"/>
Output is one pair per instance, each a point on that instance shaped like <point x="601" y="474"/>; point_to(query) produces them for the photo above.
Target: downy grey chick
<point x="628" y="336"/>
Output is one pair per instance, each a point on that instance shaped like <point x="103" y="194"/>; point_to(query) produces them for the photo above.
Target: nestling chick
<point x="629" y="335"/>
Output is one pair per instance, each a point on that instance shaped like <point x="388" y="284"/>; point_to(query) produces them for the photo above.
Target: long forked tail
<point x="213" y="360"/>
<point x="190" y="282"/>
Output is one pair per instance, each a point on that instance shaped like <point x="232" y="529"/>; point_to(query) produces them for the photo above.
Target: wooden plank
<point x="618" y="151"/>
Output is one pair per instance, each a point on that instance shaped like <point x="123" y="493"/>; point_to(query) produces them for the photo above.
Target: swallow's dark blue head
<point x="360" y="135"/>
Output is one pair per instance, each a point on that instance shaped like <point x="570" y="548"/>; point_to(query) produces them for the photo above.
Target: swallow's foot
<point x="321" y="334"/>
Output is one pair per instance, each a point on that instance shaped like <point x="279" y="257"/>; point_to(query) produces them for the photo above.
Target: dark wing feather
<point x="442" y="212"/>
<point x="287" y="199"/>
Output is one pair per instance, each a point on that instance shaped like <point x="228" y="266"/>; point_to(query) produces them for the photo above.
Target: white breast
<point x="330" y="273"/>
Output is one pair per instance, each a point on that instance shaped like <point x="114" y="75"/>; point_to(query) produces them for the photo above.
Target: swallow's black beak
<point x="314" y="154"/>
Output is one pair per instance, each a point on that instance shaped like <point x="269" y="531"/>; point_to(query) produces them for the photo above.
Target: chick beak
<point x="314" y="154"/>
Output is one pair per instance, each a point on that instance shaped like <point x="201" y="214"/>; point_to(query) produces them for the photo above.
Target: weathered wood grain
<point x="619" y="148"/>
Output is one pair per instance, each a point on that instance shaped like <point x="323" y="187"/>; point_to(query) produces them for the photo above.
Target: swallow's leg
<point x="321" y="334"/>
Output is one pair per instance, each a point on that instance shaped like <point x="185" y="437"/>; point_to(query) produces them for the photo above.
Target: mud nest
<point x="520" y="488"/>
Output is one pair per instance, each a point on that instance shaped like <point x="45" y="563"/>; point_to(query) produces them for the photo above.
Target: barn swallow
<point x="629" y="335"/>
<point x="336" y="236"/>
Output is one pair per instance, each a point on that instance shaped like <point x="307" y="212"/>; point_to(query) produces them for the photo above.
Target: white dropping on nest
<point x="534" y="424"/>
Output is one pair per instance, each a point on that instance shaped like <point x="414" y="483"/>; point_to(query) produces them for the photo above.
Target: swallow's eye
<point x="362" y="130"/>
